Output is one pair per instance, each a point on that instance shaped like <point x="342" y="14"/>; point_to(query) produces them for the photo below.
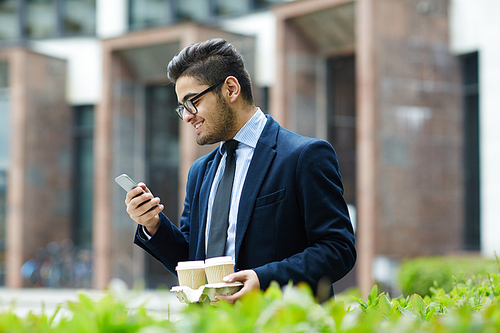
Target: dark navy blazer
<point x="293" y="222"/>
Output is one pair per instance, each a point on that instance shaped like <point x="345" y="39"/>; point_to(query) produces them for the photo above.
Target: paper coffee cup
<point x="191" y="273"/>
<point x="217" y="268"/>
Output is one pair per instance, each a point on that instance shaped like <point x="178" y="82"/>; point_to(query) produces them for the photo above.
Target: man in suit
<point x="286" y="219"/>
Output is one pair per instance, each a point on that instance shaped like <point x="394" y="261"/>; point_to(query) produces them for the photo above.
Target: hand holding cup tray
<point x="191" y="274"/>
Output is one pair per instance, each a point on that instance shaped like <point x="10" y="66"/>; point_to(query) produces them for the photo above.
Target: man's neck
<point x="244" y="115"/>
<point x="248" y="113"/>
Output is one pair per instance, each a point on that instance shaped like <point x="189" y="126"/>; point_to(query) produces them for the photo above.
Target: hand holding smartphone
<point x="136" y="211"/>
<point x="127" y="183"/>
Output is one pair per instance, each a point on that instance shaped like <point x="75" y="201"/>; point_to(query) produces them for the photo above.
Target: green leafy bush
<point x="472" y="306"/>
<point x="418" y="275"/>
<point x="108" y="314"/>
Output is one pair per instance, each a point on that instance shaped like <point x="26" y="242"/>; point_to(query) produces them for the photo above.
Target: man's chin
<point x="211" y="138"/>
<point x="202" y="140"/>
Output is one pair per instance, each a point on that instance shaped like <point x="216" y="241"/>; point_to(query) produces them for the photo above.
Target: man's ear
<point x="232" y="89"/>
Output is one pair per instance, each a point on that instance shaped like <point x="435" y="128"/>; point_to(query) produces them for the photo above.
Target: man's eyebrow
<point x="188" y="96"/>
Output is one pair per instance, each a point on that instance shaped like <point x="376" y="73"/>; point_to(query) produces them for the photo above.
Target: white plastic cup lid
<point x="219" y="261"/>
<point x="195" y="264"/>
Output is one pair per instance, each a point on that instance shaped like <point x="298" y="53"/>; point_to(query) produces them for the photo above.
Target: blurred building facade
<point x="406" y="92"/>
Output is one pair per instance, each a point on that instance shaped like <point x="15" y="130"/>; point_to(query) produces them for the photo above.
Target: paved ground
<point x="162" y="304"/>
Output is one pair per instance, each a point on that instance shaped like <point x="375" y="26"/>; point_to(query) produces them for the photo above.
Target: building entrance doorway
<point x="162" y="166"/>
<point x="341" y="119"/>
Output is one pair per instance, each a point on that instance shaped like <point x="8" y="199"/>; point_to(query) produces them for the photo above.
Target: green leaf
<point x="273" y="291"/>
<point x="418" y="305"/>
<point x="361" y="302"/>
<point x="385" y="304"/>
<point x="373" y="295"/>
<point x="445" y="300"/>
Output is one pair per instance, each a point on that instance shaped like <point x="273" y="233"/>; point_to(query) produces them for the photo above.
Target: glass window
<point x="193" y="10"/>
<point x="229" y="7"/>
<point x="268" y="3"/>
<point x="3" y="205"/>
<point x="163" y="159"/>
<point x="78" y="17"/>
<point x="41" y="18"/>
<point x="341" y="118"/>
<point x="4" y="74"/>
<point x="149" y="13"/>
<point x="4" y="116"/>
<point x="84" y="170"/>
<point x="9" y="18"/>
<point x="470" y="81"/>
<point x="4" y="162"/>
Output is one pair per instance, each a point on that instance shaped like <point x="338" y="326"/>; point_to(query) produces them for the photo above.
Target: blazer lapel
<point x="203" y="197"/>
<point x="261" y="161"/>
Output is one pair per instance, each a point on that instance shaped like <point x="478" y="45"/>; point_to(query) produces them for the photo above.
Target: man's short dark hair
<point x="209" y="62"/>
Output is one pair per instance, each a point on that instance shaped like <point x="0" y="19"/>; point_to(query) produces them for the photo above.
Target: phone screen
<point x="126" y="182"/>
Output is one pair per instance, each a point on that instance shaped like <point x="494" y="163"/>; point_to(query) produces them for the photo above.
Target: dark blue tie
<point x="220" y="208"/>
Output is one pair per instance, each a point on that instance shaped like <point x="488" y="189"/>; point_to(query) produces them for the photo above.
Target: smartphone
<point x="126" y="182"/>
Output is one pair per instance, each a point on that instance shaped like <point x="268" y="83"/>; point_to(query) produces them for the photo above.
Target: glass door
<point x="162" y="165"/>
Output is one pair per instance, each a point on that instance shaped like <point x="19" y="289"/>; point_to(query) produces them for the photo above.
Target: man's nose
<point x="187" y="116"/>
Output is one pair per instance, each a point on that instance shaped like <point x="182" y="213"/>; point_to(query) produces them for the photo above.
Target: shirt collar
<point x="250" y="133"/>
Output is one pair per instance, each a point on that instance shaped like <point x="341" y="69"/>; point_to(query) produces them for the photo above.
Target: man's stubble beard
<point x="223" y="124"/>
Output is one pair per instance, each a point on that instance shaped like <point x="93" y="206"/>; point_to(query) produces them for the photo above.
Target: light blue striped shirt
<point x="247" y="136"/>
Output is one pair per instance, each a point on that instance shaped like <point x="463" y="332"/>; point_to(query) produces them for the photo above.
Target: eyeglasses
<point x="189" y="106"/>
